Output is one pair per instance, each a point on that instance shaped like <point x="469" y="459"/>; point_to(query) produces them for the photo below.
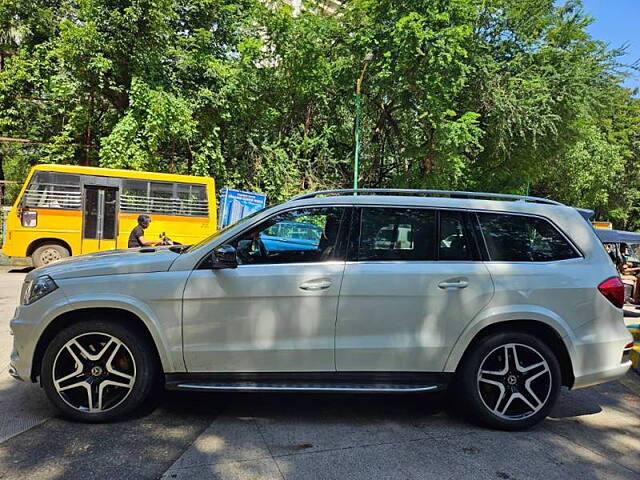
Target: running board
<point x="296" y="387"/>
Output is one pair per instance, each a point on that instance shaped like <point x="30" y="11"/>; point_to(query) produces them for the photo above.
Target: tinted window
<point x="454" y="240"/>
<point x="517" y="238"/>
<point x="397" y="234"/>
<point x="90" y="213"/>
<point x="303" y="235"/>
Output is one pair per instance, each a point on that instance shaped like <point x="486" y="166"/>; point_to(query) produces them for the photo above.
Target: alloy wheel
<point x="514" y="381"/>
<point x="94" y="372"/>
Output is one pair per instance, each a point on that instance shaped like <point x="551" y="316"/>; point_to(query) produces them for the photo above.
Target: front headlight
<point x="33" y="290"/>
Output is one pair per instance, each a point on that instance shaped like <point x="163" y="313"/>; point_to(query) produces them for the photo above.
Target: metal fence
<point x="4" y="213"/>
<point x="5" y="206"/>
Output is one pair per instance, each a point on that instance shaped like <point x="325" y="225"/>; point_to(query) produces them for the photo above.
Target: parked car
<point x="503" y="301"/>
<point x="291" y="236"/>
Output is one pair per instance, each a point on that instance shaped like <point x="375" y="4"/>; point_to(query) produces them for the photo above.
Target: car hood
<point x="113" y="262"/>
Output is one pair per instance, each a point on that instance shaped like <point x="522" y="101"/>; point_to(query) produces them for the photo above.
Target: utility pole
<point x="358" y="132"/>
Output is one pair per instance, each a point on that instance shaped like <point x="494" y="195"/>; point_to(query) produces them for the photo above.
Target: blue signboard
<point x="236" y="204"/>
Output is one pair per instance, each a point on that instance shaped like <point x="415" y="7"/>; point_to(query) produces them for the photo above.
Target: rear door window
<point x="520" y="238"/>
<point x="454" y="243"/>
<point x="397" y="234"/>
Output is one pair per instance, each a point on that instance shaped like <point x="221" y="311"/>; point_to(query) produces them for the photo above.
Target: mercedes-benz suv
<point x="503" y="298"/>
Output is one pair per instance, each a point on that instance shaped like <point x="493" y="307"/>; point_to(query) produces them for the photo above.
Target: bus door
<point x="100" y="218"/>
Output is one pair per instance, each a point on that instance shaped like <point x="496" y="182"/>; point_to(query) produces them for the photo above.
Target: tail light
<point x="613" y="290"/>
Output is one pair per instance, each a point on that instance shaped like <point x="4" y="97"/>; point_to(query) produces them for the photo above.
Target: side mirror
<point x="224" y="256"/>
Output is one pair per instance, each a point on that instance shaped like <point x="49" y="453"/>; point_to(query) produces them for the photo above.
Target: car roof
<point x="509" y="206"/>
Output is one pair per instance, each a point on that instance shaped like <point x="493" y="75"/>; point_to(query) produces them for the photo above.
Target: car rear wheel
<point x="509" y="381"/>
<point x="49" y="253"/>
<point x="98" y="370"/>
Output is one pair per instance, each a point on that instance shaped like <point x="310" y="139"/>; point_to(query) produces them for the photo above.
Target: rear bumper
<point x="602" y="361"/>
<point x="602" y="376"/>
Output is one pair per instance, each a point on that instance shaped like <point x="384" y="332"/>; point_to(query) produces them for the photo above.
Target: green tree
<point x="494" y="95"/>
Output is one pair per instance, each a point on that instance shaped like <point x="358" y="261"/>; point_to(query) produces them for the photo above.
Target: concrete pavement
<point x="21" y="405"/>
<point x="593" y="433"/>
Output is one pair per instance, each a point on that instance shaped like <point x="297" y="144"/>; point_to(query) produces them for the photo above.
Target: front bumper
<point x="24" y="345"/>
<point x="27" y="326"/>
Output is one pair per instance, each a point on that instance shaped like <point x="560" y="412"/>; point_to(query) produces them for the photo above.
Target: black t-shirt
<point x="134" y="237"/>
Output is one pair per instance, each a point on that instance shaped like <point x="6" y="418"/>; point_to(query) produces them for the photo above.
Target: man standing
<point x="136" y="237"/>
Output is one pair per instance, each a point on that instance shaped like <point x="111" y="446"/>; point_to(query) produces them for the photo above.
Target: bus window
<point x="164" y="198"/>
<point x="192" y="200"/>
<point x="53" y="190"/>
<point x="135" y="196"/>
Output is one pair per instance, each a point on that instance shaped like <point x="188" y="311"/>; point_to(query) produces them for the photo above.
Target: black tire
<point x="475" y="395"/>
<point x="48" y="253"/>
<point x="140" y="362"/>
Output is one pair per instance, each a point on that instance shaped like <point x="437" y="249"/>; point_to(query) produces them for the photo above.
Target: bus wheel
<point x="48" y="253"/>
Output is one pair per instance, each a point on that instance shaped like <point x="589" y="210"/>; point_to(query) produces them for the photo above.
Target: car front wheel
<point x="509" y="381"/>
<point x="98" y="370"/>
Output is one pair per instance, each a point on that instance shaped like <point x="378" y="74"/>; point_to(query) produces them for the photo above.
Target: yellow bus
<point x="67" y="210"/>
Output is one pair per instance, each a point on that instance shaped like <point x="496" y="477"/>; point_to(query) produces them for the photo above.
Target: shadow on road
<point x="21" y="269"/>
<point x="603" y="419"/>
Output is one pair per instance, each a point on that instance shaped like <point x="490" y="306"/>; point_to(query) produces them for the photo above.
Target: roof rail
<point x="434" y="193"/>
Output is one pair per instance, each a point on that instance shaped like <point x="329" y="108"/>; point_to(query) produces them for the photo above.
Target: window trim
<point x="341" y="242"/>
<point x="576" y="249"/>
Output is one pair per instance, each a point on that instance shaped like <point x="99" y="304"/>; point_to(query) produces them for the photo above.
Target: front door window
<point x="297" y="236"/>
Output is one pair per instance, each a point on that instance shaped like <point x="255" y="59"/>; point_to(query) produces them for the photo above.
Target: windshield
<point x="217" y="233"/>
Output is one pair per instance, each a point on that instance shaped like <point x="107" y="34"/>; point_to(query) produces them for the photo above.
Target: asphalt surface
<point x="593" y="433"/>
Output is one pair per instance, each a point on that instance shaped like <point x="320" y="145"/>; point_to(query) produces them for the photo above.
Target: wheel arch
<point x="116" y="314"/>
<point x="47" y="240"/>
<point x="540" y="329"/>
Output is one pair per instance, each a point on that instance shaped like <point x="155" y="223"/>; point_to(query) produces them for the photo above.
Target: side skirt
<point x="330" y="382"/>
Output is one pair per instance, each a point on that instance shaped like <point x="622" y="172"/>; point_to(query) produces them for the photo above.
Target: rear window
<point x="519" y="238"/>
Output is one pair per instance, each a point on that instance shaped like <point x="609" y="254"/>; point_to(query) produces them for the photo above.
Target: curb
<point x="14" y="261"/>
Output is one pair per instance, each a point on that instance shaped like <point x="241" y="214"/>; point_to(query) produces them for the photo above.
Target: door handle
<point x="453" y="284"/>
<point x="315" y="286"/>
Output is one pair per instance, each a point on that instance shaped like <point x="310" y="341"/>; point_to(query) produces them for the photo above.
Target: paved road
<point x="593" y="433"/>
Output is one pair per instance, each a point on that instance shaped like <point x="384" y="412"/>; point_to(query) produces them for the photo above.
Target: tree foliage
<point x="493" y="95"/>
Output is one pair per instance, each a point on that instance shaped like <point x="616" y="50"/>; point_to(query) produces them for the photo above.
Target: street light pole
<point x="358" y="132"/>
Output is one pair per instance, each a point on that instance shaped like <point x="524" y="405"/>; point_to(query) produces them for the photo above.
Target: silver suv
<point x="502" y="298"/>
